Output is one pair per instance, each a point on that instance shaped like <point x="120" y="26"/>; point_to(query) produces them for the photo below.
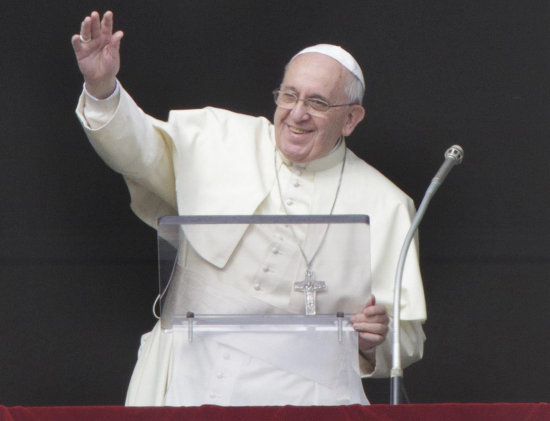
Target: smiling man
<point x="213" y="161"/>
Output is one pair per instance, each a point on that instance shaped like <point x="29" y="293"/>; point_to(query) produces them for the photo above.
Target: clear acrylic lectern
<point x="278" y="289"/>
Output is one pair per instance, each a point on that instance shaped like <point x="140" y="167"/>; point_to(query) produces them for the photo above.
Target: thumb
<point x="371" y="301"/>
<point x="115" y="40"/>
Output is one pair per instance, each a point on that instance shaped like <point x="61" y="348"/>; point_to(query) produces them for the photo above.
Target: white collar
<point x="334" y="157"/>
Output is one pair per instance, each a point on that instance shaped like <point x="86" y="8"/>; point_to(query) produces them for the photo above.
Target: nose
<point x="300" y="111"/>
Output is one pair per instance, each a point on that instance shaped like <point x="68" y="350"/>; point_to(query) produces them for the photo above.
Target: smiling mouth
<point x="296" y="130"/>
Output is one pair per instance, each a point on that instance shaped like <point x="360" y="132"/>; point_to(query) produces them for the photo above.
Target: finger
<point x="75" y="41"/>
<point x="375" y="328"/>
<point x="358" y="317"/>
<point x="378" y="318"/>
<point x="375" y="309"/>
<point x="95" y="25"/>
<point x="370" y="318"/>
<point x="372" y="337"/>
<point x="370" y="340"/>
<point x="86" y="28"/>
<point x="107" y="23"/>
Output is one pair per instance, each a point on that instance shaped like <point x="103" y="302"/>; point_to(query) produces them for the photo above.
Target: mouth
<point x="298" y="131"/>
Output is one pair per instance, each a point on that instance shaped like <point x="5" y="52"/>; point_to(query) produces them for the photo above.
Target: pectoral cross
<point x="309" y="286"/>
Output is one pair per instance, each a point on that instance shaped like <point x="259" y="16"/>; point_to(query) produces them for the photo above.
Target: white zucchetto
<point x="339" y="54"/>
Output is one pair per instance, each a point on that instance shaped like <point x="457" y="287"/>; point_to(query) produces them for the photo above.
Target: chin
<point x="295" y="154"/>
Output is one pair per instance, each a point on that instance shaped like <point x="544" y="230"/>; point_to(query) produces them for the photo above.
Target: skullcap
<point x="339" y="54"/>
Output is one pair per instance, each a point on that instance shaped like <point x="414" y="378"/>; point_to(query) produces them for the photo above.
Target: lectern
<point x="258" y="307"/>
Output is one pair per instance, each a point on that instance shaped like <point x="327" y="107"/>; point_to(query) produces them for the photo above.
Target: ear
<point x="353" y="118"/>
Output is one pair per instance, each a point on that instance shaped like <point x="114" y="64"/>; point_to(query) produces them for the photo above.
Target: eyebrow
<point x="315" y="96"/>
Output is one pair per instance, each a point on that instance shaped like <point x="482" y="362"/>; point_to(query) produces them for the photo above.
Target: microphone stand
<point x="453" y="156"/>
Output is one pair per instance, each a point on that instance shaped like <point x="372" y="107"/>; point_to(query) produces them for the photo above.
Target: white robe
<point x="191" y="165"/>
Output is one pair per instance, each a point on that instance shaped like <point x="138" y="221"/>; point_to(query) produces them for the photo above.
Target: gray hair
<point x="354" y="89"/>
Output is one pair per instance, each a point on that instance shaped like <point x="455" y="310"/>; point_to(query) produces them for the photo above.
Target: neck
<point x="332" y="158"/>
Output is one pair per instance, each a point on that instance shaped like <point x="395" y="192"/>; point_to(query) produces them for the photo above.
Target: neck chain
<point x="309" y="262"/>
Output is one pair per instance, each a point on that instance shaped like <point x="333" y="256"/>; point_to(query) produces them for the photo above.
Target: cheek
<point x="279" y="115"/>
<point x="336" y="127"/>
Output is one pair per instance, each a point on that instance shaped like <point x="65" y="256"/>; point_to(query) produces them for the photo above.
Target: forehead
<point x="315" y="74"/>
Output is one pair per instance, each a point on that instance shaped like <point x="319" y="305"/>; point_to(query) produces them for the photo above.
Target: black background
<point x="78" y="270"/>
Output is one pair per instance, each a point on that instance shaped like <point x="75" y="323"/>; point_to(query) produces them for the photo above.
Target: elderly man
<point x="213" y="161"/>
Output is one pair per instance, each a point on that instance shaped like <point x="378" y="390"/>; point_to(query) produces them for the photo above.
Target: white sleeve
<point x="135" y="145"/>
<point x="98" y="112"/>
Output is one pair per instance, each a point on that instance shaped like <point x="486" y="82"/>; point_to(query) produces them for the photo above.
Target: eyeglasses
<point x="288" y="99"/>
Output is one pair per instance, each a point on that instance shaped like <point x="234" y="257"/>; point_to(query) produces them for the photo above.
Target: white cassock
<point x="215" y="162"/>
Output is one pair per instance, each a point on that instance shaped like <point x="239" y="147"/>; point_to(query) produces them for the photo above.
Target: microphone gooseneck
<point x="453" y="156"/>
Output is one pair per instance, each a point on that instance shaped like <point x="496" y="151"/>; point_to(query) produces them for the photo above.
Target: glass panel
<point x="257" y="265"/>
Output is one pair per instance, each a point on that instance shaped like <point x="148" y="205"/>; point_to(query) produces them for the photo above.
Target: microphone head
<point x="456" y="153"/>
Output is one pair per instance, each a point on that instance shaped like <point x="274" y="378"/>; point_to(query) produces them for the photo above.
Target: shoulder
<point x="365" y="175"/>
<point x="368" y="189"/>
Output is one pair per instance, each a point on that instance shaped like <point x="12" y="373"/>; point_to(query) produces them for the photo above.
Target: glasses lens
<point x="318" y="104"/>
<point x="285" y="99"/>
<point x="288" y="100"/>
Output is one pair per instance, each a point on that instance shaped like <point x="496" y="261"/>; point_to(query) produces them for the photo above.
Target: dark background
<point x="78" y="270"/>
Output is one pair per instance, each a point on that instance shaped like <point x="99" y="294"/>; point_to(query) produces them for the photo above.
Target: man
<point x="214" y="161"/>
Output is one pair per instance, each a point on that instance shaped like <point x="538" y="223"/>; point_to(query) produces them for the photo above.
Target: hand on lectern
<point x="97" y="53"/>
<point x="372" y="324"/>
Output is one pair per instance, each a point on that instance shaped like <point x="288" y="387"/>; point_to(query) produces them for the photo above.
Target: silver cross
<point x="309" y="286"/>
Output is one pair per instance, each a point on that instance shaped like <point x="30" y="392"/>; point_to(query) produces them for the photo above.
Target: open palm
<point x="97" y="53"/>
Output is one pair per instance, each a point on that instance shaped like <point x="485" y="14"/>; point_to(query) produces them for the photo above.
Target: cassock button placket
<point x="223" y="375"/>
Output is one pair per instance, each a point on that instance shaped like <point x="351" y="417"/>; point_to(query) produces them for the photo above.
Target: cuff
<point x="90" y="96"/>
<point x="96" y="113"/>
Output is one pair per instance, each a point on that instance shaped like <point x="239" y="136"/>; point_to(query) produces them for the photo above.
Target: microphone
<point x="453" y="156"/>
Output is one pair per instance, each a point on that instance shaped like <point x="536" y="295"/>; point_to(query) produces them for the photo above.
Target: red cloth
<point x="411" y="412"/>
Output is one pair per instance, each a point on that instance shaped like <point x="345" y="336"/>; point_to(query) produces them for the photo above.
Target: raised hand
<point x="97" y="53"/>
